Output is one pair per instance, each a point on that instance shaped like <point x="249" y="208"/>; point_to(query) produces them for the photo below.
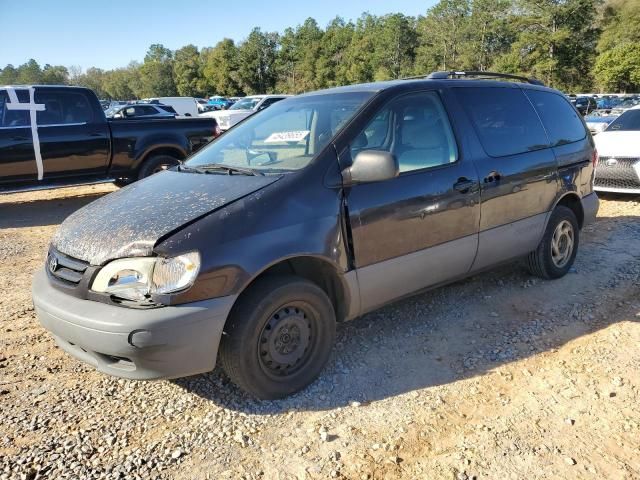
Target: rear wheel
<point x="558" y="248"/>
<point x="157" y="163"/>
<point x="279" y="336"/>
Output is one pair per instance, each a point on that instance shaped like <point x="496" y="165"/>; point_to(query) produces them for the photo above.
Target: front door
<point x="17" y="156"/>
<point x="74" y="137"/>
<point x="420" y="228"/>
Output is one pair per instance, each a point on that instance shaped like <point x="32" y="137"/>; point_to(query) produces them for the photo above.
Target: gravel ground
<point x="499" y="376"/>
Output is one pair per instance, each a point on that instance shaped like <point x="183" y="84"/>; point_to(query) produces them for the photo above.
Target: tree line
<point x="573" y="45"/>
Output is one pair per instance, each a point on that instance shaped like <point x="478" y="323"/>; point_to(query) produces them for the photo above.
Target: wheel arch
<point x="167" y="149"/>
<point x="317" y="270"/>
<point x="572" y="201"/>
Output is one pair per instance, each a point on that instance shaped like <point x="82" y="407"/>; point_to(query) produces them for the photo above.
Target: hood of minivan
<point x="612" y="143"/>
<point x="129" y="222"/>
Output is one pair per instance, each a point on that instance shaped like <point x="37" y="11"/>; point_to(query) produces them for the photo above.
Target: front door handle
<point x="463" y="185"/>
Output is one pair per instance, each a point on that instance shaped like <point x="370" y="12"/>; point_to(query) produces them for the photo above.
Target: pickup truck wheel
<point x="559" y="245"/>
<point x="278" y="337"/>
<point x="157" y="163"/>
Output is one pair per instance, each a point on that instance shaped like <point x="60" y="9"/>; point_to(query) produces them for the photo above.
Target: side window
<point x="505" y="121"/>
<point x="14" y="118"/>
<point x="269" y="101"/>
<point x="149" y="111"/>
<point x="415" y="128"/>
<point x="62" y="108"/>
<point x="558" y="116"/>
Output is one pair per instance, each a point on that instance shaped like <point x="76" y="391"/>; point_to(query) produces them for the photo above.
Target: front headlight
<point x="137" y="278"/>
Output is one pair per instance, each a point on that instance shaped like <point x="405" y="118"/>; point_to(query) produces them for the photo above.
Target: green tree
<point x="156" y="72"/>
<point x="187" y="70"/>
<point x="620" y="24"/>
<point x="257" y="55"/>
<point x="618" y="69"/>
<point x="220" y="69"/>
<point x="395" y="45"/>
<point x="55" y="75"/>
<point x="442" y="35"/>
<point x="123" y="83"/>
<point x="332" y="65"/>
<point x="8" y="75"/>
<point x="556" y="42"/>
<point x="29" y="73"/>
<point x="358" y="56"/>
<point x="297" y="57"/>
<point x="93" y="78"/>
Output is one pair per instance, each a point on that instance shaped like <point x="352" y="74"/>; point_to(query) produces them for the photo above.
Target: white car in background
<point x="242" y="109"/>
<point x="185" y="107"/>
<point x="618" y="146"/>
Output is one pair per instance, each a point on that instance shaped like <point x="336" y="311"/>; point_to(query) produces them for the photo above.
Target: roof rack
<point x="481" y="76"/>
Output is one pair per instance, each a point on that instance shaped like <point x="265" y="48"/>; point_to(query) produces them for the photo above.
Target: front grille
<point x="618" y="172"/>
<point x="65" y="268"/>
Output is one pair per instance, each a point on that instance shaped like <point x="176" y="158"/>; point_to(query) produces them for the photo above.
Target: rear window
<point x="167" y="108"/>
<point x="505" y="121"/>
<point x="558" y="116"/>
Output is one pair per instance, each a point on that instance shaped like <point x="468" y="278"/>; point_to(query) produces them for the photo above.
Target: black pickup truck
<point x="59" y="136"/>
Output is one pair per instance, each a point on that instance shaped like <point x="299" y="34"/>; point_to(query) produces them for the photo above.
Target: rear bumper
<point x="166" y="342"/>
<point x="590" y="206"/>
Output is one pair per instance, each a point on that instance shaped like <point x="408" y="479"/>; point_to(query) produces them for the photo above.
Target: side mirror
<point x="371" y="166"/>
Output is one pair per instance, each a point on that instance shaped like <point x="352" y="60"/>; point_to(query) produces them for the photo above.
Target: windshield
<point x="285" y="136"/>
<point x="629" y="120"/>
<point x="109" y="112"/>
<point x="245" y="104"/>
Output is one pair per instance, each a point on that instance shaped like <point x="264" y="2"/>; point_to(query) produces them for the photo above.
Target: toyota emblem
<point x="53" y="264"/>
<point x="611" y="162"/>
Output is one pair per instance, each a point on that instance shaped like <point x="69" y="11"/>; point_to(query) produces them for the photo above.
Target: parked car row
<point x="242" y="109"/>
<point x="618" y="146"/>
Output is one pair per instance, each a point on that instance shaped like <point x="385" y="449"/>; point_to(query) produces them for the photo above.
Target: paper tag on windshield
<point x="296" y="136"/>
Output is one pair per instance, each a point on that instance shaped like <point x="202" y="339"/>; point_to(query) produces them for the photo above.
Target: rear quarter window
<point x="504" y="119"/>
<point x="561" y="120"/>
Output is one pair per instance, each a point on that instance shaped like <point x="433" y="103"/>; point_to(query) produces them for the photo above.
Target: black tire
<point x="264" y="350"/>
<point x="122" y="182"/>
<point x="156" y="164"/>
<point x="544" y="261"/>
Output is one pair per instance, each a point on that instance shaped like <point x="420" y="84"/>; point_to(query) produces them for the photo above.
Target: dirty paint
<point x="129" y="222"/>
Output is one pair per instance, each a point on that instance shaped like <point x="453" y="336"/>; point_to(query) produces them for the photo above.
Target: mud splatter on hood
<point x="129" y="222"/>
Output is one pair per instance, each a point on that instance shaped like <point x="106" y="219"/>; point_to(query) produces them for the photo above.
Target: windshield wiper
<point x="216" y="167"/>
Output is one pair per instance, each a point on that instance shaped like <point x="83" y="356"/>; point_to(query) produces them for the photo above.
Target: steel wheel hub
<point x="285" y="340"/>
<point x="562" y="244"/>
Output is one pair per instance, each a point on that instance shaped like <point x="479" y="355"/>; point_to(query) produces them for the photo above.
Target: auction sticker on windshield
<point x="295" y="136"/>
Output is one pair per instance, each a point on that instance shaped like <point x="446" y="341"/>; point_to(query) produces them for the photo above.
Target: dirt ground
<point x="500" y="376"/>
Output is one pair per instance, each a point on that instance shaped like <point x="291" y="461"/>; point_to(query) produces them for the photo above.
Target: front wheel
<point x="559" y="245"/>
<point x="279" y="337"/>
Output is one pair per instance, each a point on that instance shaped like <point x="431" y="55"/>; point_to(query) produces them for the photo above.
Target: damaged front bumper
<point x="167" y="342"/>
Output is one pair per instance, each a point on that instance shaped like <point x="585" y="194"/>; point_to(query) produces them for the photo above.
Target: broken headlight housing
<point x="137" y="279"/>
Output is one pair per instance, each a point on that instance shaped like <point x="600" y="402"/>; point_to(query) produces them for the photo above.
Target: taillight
<point x="594" y="157"/>
<point x="217" y="131"/>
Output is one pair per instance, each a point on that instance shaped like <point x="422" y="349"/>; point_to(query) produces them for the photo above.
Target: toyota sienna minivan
<point x="317" y="210"/>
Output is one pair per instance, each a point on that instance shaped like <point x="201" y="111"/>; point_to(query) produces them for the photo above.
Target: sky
<point x="111" y="33"/>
